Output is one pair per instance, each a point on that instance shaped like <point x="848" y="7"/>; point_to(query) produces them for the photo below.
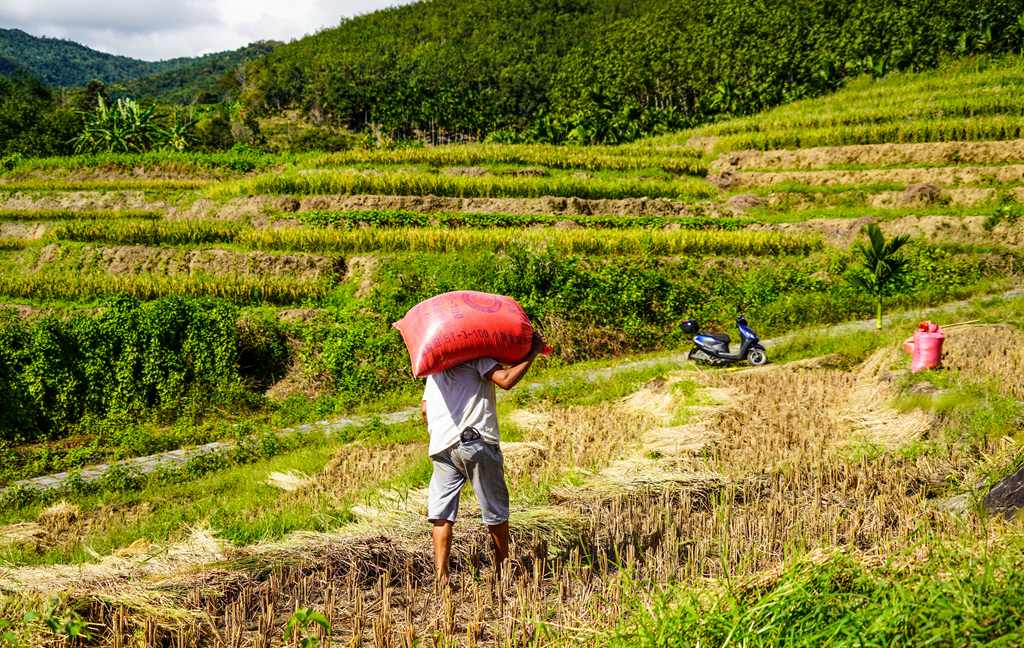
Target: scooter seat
<point x="721" y="337"/>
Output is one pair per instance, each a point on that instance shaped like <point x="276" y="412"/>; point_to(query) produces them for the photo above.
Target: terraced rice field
<point x="644" y="496"/>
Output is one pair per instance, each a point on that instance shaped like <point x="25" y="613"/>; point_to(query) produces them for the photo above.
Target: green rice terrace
<point x="230" y="313"/>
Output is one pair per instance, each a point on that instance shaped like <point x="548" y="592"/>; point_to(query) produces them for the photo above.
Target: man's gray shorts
<point x="478" y="462"/>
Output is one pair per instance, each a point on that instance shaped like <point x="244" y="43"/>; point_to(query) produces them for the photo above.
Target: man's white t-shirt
<point x="458" y="398"/>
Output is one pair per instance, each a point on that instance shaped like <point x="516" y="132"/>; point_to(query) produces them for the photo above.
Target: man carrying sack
<point x="459" y="410"/>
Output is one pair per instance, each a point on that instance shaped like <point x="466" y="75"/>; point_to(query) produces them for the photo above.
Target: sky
<point x="161" y="29"/>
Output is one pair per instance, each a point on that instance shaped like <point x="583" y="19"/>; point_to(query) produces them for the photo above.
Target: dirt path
<point x="843" y="232"/>
<point x="876" y="155"/>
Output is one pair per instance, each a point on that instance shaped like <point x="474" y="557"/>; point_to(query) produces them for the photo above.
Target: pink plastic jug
<point x="925" y="347"/>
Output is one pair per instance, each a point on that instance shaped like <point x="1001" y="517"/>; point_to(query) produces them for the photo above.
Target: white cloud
<point x="160" y="30"/>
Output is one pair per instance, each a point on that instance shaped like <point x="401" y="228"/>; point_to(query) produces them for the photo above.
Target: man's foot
<point x="513" y="569"/>
<point x="442" y="582"/>
<point x="446" y="584"/>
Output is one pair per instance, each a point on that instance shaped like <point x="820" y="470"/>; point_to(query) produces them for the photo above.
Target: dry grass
<point x="288" y="481"/>
<point x="988" y="353"/>
<point x="867" y="409"/>
<point x="356" y="467"/>
<point x="28" y="534"/>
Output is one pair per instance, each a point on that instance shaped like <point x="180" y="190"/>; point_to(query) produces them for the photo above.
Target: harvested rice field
<point x="710" y="481"/>
<point x="210" y="435"/>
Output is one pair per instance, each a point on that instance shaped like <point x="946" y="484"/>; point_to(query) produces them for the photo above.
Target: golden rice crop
<point x="12" y="243"/>
<point x="894" y="107"/>
<point x="601" y="242"/>
<point x="75" y="214"/>
<point x="994" y="127"/>
<point x="150" y="232"/>
<point x="238" y="289"/>
<point x="590" y="158"/>
<point x="322" y="181"/>
<point x="441" y="239"/>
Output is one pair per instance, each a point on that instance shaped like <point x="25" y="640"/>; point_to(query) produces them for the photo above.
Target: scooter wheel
<point x="757" y="357"/>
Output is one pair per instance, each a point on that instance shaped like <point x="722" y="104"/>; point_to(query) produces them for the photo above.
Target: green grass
<point x="154" y="162"/>
<point x="236" y="503"/>
<point x="102" y="184"/>
<point x="11" y="243"/>
<point x="787" y="214"/>
<point x="964" y="594"/>
<point x="225" y="491"/>
<point x="971" y="413"/>
<point x="546" y="156"/>
<point x="854" y="345"/>
<point x="108" y="440"/>
<point x="953" y="162"/>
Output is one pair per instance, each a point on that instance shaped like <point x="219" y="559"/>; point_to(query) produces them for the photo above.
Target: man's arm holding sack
<point x="508" y="377"/>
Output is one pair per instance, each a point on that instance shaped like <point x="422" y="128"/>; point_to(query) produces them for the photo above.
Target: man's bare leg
<point x="499" y="536"/>
<point x="442" y="536"/>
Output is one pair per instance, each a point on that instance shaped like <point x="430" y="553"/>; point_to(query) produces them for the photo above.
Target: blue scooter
<point x="713" y="348"/>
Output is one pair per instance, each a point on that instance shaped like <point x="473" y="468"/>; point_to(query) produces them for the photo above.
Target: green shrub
<point x="263" y="351"/>
<point x="167" y="357"/>
<point x="364" y="358"/>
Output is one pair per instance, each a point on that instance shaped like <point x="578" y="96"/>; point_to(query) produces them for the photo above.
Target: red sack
<point x="447" y="330"/>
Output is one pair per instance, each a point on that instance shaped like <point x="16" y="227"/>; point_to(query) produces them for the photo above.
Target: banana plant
<point x="124" y="127"/>
<point x="179" y="135"/>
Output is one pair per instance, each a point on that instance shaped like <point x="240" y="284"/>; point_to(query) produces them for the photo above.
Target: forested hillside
<point x="58" y="62"/>
<point x="546" y="71"/>
<point x="206" y="79"/>
<point x="8" y="67"/>
<point x="606" y="70"/>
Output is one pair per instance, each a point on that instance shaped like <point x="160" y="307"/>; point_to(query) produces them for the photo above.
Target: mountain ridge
<point x="66" y="63"/>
